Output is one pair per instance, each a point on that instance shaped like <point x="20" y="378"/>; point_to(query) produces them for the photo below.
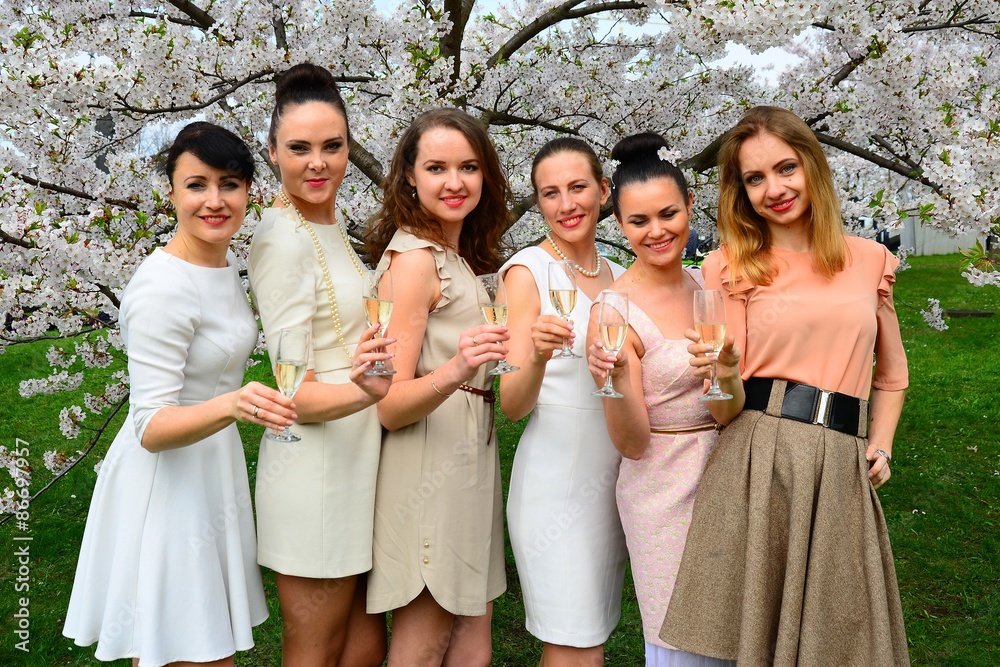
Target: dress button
<point x="427" y="545"/>
<point x="426" y="560"/>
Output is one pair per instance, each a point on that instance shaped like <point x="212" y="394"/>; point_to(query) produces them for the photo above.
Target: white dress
<point x="561" y="511"/>
<point x="167" y="568"/>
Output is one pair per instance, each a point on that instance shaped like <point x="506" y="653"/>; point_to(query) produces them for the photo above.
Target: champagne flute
<point x="376" y="296"/>
<point x="290" y="369"/>
<point x="562" y="294"/>
<point x="493" y="305"/>
<point x="612" y="326"/>
<point x="710" y="322"/>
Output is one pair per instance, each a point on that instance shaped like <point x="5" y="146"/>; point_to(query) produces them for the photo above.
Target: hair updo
<point x="214" y="145"/>
<point x="300" y="84"/>
<point x="639" y="161"/>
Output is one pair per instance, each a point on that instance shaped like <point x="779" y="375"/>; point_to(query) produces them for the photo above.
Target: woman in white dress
<point x="561" y="512"/>
<point x="167" y="571"/>
<point x="316" y="498"/>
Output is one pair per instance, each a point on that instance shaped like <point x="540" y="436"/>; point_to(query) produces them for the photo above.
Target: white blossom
<point x="934" y="316"/>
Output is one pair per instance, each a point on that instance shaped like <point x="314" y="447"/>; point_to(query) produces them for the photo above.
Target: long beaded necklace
<point x="597" y="259"/>
<point x="327" y="279"/>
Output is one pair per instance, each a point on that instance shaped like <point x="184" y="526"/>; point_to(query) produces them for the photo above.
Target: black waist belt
<point x="805" y="403"/>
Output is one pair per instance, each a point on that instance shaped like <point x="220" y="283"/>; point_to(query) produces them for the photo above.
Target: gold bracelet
<point x="434" y="387"/>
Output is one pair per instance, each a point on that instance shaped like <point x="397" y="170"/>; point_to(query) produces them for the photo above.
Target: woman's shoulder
<point x="404" y="240"/>
<point x="278" y="230"/>
<point x="161" y="278"/>
<point x="532" y="257"/>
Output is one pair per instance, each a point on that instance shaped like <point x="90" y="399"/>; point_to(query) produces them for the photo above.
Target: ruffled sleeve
<point x="716" y="275"/>
<point x="404" y="241"/>
<point x="891" y="371"/>
<point x="160" y="312"/>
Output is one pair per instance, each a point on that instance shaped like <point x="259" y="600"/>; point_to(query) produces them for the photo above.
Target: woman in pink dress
<point x="788" y="559"/>
<point x="664" y="434"/>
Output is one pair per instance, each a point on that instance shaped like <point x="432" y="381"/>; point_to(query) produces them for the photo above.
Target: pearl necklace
<point x="327" y="278"/>
<point x="597" y="259"/>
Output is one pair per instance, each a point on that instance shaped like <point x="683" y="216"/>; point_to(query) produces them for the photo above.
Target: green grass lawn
<point x="942" y="504"/>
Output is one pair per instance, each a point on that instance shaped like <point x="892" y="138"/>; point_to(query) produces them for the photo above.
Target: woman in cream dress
<point x="439" y="544"/>
<point x="316" y="497"/>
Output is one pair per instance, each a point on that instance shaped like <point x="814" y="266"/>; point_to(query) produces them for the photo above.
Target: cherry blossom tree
<point x="905" y="94"/>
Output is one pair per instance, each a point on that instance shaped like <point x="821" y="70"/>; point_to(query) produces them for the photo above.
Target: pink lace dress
<point x="656" y="493"/>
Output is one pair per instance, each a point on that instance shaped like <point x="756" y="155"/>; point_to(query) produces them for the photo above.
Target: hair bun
<point x="638" y="147"/>
<point x="305" y="78"/>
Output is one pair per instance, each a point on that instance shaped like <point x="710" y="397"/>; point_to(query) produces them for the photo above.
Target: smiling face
<point x="210" y="203"/>
<point x="569" y="195"/>
<point x="311" y="151"/>
<point x="655" y="218"/>
<point x="775" y="182"/>
<point x="447" y="177"/>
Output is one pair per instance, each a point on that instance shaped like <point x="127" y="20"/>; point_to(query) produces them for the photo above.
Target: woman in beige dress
<point x="316" y="498"/>
<point x="439" y="547"/>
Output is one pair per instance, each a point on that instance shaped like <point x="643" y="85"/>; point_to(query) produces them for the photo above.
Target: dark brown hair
<point x="481" y="241"/>
<point x="567" y="145"/>
<point x="303" y="83"/>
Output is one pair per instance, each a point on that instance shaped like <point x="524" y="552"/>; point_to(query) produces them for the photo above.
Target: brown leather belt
<point x="487" y="394"/>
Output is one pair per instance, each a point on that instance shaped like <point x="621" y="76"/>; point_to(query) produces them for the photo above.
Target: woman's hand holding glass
<point x="612" y="328"/>
<point x="549" y="334"/>
<point x="371" y="350"/>
<point x="291" y="355"/>
<point x="493" y="305"/>
<point x="562" y="295"/>
<point x="259" y="404"/>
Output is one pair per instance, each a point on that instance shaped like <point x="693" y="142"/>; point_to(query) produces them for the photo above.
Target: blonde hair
<point x="744" y="232"/>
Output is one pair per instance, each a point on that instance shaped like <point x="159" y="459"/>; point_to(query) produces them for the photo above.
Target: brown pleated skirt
<point x="787" y="561"/>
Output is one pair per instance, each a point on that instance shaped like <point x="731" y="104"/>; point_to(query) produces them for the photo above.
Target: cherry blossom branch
<point x="563" y="12"/>
<point x="10" y="342"/>
<point x="128" y="108"/>
<point x="458" y="12"/>
<point x="901" y="169"/>
<point x="7" y="238"/>
<point x="61" y="189"/>
<point x="154" y="15"/>
<point x="83" y="454"/>
<point x="366" y="162"/>
<point x="198" y="15"/>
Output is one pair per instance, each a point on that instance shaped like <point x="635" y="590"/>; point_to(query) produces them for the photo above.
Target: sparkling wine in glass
<point x="376" y="296"/>
<point x="562" y="294"/>
<point x="289" y="370"/>
<point x="612" y="327"/>
<point x="710" y="323"/>
<point x="493" y="305"/>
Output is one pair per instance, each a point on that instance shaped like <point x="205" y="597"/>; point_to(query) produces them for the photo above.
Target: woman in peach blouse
<point x="787" y="561"/>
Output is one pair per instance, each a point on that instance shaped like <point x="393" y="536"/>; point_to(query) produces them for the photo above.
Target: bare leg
<point x="224" y="662"/>
<point x="315" y="614"/>
<point x="421" y="632"/>
<point x="471" y="641"/>
<point x="554" y="655"/>
<point x="366" y="635"/>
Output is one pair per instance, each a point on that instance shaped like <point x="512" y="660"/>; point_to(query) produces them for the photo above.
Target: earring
<point x="413" y="192"/>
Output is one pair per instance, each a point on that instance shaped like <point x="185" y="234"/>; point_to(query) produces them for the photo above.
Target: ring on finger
<point x="474" y="341"/>
<point x="254" y="413"/>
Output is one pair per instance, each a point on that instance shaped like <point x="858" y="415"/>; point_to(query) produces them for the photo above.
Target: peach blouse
<point x="807" y="328"/>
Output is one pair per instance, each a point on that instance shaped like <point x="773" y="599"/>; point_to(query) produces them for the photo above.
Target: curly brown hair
<point x="481" y="241"/>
